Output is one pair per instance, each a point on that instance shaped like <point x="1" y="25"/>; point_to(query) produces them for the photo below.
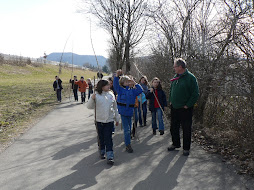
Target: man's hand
<point x="185" y="107"/>
<point x="151" y="89"/>
<point x="117" y="123"/>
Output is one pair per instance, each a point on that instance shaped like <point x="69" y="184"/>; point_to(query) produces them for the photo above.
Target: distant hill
<point x="77" y="59"/>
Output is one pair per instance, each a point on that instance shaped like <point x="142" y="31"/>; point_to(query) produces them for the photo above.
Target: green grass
<point x="27" y="92"/>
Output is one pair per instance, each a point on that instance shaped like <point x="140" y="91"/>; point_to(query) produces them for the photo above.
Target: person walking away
<point x="126" y="97"/>
<point x="106" y="114"/>
<point x="142" y="101"/>
<point x="82" y="88"/>
<point x="184" y="93"/>
<point x="99" y="75"/>
<point x="90" y="87"/>
<point x="110" y="80"/>
<point x="74" y="88"/>
<point x="57" y="85"/>
<point x="142" y="98"/>
<point x="157" y="104"/>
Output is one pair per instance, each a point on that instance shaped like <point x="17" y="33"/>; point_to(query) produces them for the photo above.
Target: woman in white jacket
<point x="106" y="114"/>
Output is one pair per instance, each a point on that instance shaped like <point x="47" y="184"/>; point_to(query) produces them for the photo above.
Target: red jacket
<point x="82" y="85"/>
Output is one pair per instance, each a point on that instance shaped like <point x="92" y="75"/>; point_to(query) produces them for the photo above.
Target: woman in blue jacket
<point x="126" y="97"/>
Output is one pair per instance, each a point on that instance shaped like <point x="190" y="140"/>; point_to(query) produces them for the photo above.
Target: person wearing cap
<point x="184" y="93"/>
<point x="82" y="88"/>
<point x="74" y="87"/>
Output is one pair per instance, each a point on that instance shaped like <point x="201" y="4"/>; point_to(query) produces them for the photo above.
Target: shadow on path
<point x="86" y="170"/>
<point x="163" y="177"/>
<point x="81" y="178"/>
<point x="74" y="149"/>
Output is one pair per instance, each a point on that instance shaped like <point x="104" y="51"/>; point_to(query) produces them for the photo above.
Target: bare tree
<point x="200" y="31"/>
<point x="126" y="23"/>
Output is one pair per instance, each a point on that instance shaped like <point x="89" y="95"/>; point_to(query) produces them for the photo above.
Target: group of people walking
<point x="128" y="99"/>
<point x="122" y="97"/>
<point x="76" y="85"/>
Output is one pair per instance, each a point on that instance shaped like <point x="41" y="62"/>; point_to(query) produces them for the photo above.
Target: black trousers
<point x="75" y="92"/>
<point x="59" y="94"/>
<point x="181" y="117"/>
<point x="105" y="135"/>
<point x="83" y="96"/>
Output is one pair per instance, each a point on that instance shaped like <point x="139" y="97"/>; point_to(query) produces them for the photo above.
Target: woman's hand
<point x="93" y="96"/>
<point x="119" y="72"/>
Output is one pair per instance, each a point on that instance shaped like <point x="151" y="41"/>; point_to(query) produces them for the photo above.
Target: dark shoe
<point x="144" y="124"/>
<point x="141" y="126"/>
<point x="113" y="133"/>
<point x="110" y="161"/>
<point x="161" y="132"/>
<point x="186" y="152"/>
<point x="173" y="147"/>
<point x="129" y="149"/>
<point x="154" y="131"/>
<point x="81" y="102"/>
<point x="102" y="157"/>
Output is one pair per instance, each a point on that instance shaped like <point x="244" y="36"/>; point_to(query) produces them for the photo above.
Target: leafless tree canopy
<point x="126" y="23"/>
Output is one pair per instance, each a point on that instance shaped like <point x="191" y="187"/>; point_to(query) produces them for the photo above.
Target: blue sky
<point x="32" y="27"/>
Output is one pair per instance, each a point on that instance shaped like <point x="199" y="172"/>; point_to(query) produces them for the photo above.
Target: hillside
<point x="77" y="59"/>
<point x="27" y="93"/>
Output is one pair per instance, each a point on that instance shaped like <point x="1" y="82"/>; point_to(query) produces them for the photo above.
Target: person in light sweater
<point x="106" y="113"/>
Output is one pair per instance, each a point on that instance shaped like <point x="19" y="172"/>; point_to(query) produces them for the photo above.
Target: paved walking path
<point x="60" y="153"/>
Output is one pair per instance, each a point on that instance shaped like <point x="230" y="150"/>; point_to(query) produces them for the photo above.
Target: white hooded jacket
<point x="106" y="107"/>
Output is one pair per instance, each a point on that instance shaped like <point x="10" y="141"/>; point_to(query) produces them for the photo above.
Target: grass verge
<point x="26" y="94"/>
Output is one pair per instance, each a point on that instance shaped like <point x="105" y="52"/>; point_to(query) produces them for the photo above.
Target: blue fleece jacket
<point x="126" y="96"/>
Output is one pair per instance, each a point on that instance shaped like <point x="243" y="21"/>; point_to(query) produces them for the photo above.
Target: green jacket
<point x="184" y="91"/>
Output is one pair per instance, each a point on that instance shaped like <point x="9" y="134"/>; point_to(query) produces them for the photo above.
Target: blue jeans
<point x="105" y="138"/>
<point x="59" y="94"/>
<point x="144" y="109"/>
<point x="160" y="119"/>
<point x="126" y="121"/>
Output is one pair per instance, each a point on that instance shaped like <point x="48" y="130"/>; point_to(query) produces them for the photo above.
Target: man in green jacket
<point x="183" y="95"/>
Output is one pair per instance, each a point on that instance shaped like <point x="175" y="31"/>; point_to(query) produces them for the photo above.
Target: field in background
<point x="26" y="92"/>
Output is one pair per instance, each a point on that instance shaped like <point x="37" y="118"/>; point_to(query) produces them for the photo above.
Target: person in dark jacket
<point x="74" y="87"/>
<point x="183" y="95"/>
<point x="157" y="103"/>
<point x="57" y="85"/>
<point x="99" y="75"/>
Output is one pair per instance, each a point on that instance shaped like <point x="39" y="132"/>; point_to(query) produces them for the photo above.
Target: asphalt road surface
<point x="60" y="153"/>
